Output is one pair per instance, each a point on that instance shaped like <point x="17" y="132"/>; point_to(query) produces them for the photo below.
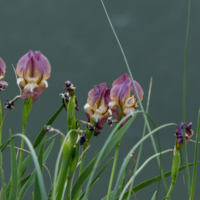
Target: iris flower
<point x="33" y="69"/>
<point x="179" y="134"/>
<point x="122" y="102"/>
<point x="3" y="84"/>
<point x="97" y="105"/>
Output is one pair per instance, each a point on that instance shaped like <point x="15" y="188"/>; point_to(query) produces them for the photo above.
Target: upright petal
<point x="93" y="95"/>
<point x="102" y="89"/>
<point x="33" y="72"/>
<point x="2" y="68"/>
<point x="21" y="63"/>
<point x="44" y="64"/>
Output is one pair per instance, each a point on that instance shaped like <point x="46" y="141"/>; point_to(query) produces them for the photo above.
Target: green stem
<point x="184" y="103"/>
<point x="113" y="169"/>
<point x="67" y="197"/>
<point x="170" y="190"/>
<point x="0" y="122"/>
<point x="82" y="162"/>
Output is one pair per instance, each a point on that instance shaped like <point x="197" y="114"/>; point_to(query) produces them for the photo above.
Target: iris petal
<point x="2" y="68"/>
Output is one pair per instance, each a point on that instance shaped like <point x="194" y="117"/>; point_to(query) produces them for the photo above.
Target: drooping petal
<point x="33" y="72"/>
<point x="93" y="96"/>
<point x="21" y="63"/>
<point x="100" y="120"/>
<point x="139" y="90"/>
<point x="29" y="91"/>
<point x="39" y="90"/>
<point x="2" y="68"/>
<point x="3" y="85"/>
<point x="44" y="64"/>
<point x="88" y="111"/>
<point x="114" y="108"/>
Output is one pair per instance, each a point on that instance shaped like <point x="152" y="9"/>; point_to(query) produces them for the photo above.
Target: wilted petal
<point x="44" y="63"/>
<point x="32" y="71"/>
<point x="88" y="111"/>
<point x="2" y="68"/>
<point x="3" y="85"/>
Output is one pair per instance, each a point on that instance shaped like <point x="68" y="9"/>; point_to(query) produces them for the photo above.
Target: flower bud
<point x="3" y="84"/>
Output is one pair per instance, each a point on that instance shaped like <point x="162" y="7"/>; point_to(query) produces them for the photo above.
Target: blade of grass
<point x="151" y="181"/>
<point x="184" y="100"/>
<point x="195" y="159"/>
<point x="140" y="169"/>
<point x="37" y="166"/>
<point x="37" y="192"/>
<point x="132" y="150"/>
<point x="154" y="196"/>
<point x="136" y="92"/>
<point x="2" y="177"/>
<point x="14" y="175"/>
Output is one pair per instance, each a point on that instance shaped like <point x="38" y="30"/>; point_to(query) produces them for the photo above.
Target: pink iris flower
<point x="33" y="69"/>
<point x="97" y="105"/>
<point x="122" y="102"/>
<point x="3" y="84"/>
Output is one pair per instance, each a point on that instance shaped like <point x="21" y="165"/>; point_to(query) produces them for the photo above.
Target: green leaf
<point x="2" y="177"/>
<point x="28" y="181"/>
<point x="43" y="132"/>
<point x="37" y="192"/>
<point x="151" y="181"/>
<point x="110" y="143"/>
<point x="96" y="178"/>
<point x="37" y="166"/>
<point x="154" y="196"/>
<point x="14" y="180"/>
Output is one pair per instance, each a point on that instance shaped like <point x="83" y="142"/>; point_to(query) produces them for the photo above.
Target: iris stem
<point x="82" y="162"/>
<point x="69" y="178"/>
<point x="113" y="169"/>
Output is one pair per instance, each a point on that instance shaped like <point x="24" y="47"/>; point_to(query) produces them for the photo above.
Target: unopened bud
<point x="96" y="133"/>
<point x="48" y="128"/>
<point x="110" y="121"/>
<point x="91" y="127"/>
<point x="9" y="104"/>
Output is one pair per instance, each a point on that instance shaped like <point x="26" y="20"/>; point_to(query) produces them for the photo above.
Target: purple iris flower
<point x="3" y="84"/>
<point x="179" y="134"/>
<point x="97" y="105"/>
<point x="33" y="69"/>
<point x="122" y="102"/>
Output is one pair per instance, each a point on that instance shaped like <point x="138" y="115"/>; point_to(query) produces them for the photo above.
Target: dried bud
<point x="110" y="121"/>
<point x="48" y="128"/>
<point x="96" y="133"/>
<point x="83" y="138"/>
<point x="91" y="127"/>
<point x="69" y="87"/>
<point x="9" y="104"/>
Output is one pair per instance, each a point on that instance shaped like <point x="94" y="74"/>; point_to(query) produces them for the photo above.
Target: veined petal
<point x="33" y="73"/>
<point x="93" y="95"/>
<point x="21" y="63"/>
<point x="88" y="111"/>
<point x="102" y="89"/>
<point x="114" y="108"/>
<point x="44" y="64"/>
<point x="3" y="85"/>
<point x="120" y="92"/>
<point x="2" y="68"/>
